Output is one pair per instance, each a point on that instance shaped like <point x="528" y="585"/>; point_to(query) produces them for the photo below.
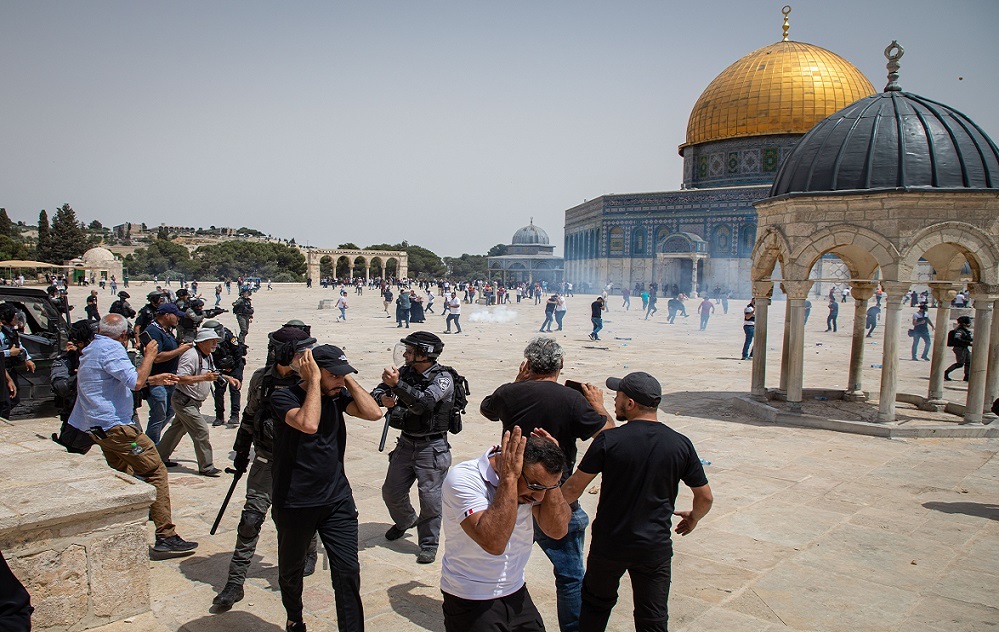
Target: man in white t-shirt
<point x="341" y="304"/>
<point x="488" y="508"/>
<point x="454" y="312"/>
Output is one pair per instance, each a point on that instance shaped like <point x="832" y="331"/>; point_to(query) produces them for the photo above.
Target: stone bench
<point x="73" y="531"/>
<point x="327" y="303"/>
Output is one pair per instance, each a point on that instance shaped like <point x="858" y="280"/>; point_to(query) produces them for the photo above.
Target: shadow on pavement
<point x="372" y="534"/>
<point x="423" y="611"/>
<point x="231" y="620"/>
<point x="214" y="569"/>
<point x="982" y="510"/>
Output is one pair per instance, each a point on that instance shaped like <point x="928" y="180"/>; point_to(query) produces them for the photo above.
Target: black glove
<point x="241" y="462"/>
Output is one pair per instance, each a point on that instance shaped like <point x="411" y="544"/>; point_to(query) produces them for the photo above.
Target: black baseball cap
<point x="639" y="386"/>
<point x="332" y="359"/>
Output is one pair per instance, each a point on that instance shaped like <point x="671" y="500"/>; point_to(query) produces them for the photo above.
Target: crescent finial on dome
<point x="893" y="53"/>
<point x="786" y="11"/>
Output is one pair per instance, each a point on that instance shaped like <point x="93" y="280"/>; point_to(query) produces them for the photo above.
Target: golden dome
<point x="784" y="88"/>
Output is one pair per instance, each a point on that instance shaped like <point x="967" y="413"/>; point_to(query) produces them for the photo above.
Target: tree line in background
<point x="67" y="238"/>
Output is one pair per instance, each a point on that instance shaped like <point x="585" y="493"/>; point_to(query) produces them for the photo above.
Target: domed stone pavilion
<point x="529" y="258"/>
<point x="884" y="183"/>
<point x="98" y="261"/>
<point x="743" y="125"/>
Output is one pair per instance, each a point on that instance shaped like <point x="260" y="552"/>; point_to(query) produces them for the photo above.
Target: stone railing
<point x="73" y="531"/>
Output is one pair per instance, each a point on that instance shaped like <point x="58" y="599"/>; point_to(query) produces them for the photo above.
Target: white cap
<point x="204" y="335"/>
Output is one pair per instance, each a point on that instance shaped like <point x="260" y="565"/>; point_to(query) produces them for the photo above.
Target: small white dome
<point x="98" y="255"/>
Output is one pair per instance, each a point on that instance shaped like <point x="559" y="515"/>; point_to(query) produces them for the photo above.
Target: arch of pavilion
<point x="372" y="261"/>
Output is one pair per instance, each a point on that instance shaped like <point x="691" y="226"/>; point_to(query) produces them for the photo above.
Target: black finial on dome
<point x="893" y="53"/>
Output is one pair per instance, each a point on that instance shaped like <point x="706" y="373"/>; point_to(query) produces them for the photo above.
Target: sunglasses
<point x="537" y="487"/>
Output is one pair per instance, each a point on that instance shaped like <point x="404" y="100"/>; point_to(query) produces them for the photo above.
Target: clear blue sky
<point x="445" y="123"/>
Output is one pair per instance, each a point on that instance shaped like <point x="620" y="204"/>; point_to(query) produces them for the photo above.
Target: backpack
<point x="952" y="338"/>
<point x="461" y="394"/>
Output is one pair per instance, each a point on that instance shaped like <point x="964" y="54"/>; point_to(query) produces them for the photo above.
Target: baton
<point x="228" y="496"/>
<point x="381" y="444"/>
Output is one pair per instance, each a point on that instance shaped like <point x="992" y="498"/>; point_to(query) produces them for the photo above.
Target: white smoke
<point x="493" y="315"/>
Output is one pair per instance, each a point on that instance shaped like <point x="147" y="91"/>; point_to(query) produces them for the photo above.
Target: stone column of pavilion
<point x="992" y="376"/>
<point x="984" y="297"/>
<point x="894" y="294"/>
<point x="943" y="293"/>
<point x="762" y="291"/>
<point x="797" y="294"/>
<point x="784" y="350"/>
<point x="862" y="291"/>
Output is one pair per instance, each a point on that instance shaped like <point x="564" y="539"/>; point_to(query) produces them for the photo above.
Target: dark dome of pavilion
<point x="892" y="140"/>
<point x="530" y="235"/>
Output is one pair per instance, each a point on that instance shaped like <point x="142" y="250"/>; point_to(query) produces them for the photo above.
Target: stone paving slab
<point x="811" y="529"/>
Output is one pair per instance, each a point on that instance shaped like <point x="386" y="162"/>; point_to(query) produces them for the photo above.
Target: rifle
<point x="228" y="496"/>
<point x="215" y="311"/>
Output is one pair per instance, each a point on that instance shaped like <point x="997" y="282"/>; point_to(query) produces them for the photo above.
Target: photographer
<point x="63" y="380"/>
<point x="13" y="353"/>
<point x="196" y="372"/>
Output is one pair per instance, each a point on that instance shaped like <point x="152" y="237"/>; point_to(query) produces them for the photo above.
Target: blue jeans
<point x="747" y="347"/>
<point x="918" y="335"/>
<point x="160" y="410"/>
<point x="559" y="315"/>
<point x="598" y="324"/>
<point x="567" y="562"/>
<point x="548" y="321"/>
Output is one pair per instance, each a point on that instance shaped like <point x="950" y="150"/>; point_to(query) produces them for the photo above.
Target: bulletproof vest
<point x="242" y="307"/>
<point x="186" y="322"/>
<point x="228" y="352"/>
<point x="181" y="304"/>
<point x="145" y="316"/>
<point x="430" y="422"/>
<point x="263" y="422"/>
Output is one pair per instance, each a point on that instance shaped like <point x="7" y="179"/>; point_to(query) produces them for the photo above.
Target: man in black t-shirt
<point x="311" y="492"/>
<point x="597" y="309"/>
<point x="642" y="463"/>
<point x="536" y="400"/>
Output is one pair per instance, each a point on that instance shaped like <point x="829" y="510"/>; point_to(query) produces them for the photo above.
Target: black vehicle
<point x="45" y="335"/>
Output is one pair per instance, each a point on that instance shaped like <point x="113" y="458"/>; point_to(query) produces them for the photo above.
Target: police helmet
<point x="154" y="296"/>
<point x="123" y="295"/>
<point x="426" y="342"/>
<point x="182" y="292"/>
<point x="964" y="320"/>
<point x="298" y="324"/>
<point x="196" y="302"/>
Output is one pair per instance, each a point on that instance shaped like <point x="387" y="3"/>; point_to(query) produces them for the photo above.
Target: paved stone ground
<point x="811" y="530"/>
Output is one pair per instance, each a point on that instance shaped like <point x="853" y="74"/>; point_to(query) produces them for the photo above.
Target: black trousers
<point x="513" y="613"/>
<point x="337" y="528"/>
<point x="649" y="586"/>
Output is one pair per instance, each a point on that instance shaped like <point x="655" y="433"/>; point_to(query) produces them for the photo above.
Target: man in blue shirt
<point x="161" y="331"/>
<point x="105" y="382"/>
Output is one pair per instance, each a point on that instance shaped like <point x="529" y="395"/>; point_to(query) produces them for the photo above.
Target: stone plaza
<point x="811" y="529"/>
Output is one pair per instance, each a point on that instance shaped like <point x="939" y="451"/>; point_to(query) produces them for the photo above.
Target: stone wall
<point x="73" y="531"/>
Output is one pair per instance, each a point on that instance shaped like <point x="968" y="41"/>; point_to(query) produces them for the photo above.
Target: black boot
<point x="230" y="594"/>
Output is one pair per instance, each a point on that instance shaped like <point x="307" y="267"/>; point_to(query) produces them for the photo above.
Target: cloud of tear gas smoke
<point x="493" y="315"/>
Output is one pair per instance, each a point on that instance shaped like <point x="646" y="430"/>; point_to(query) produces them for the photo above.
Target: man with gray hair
<point x="105" y="382"/>
<point x="533" y="400"/>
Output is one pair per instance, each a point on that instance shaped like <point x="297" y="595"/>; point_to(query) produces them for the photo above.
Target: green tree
<point x="161" y="256"/>
<point x="235" y="258"/>
<point x="326" y="266"/>
<point x="162" y="235"/>
<point x="7" y="227"/>
<point x="497" y="251"/>
<point x="466" y="266"/>
<point x="96" y="225"/>
<point x="348" y="246"/>
<point x="67" y="239"/>
<point x="11" y="248"/>
<point x="422" y="262"/>
<point x="42" y="248"/>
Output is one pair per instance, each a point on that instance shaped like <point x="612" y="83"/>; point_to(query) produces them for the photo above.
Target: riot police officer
<point x="183" y="299"/>
<point x="230" y="359"/>
<point x="257" y="430"/>
<point x="121" y="306"/>
<point x="148" y="311"/>
<point x="243" y="309"/>
<point x="62" y="377"/>
<point x="194" y="315"/>
<point x="420" y="397"/>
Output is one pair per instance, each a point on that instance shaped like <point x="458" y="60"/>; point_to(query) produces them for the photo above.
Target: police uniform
<point x="422" y="453"/>
<point x="244" y="312"/>
<point x="122" y="307"/>
<point x="257" y="430"/>
<point x="187" y="325"/>
<point x="230" y="358"/>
